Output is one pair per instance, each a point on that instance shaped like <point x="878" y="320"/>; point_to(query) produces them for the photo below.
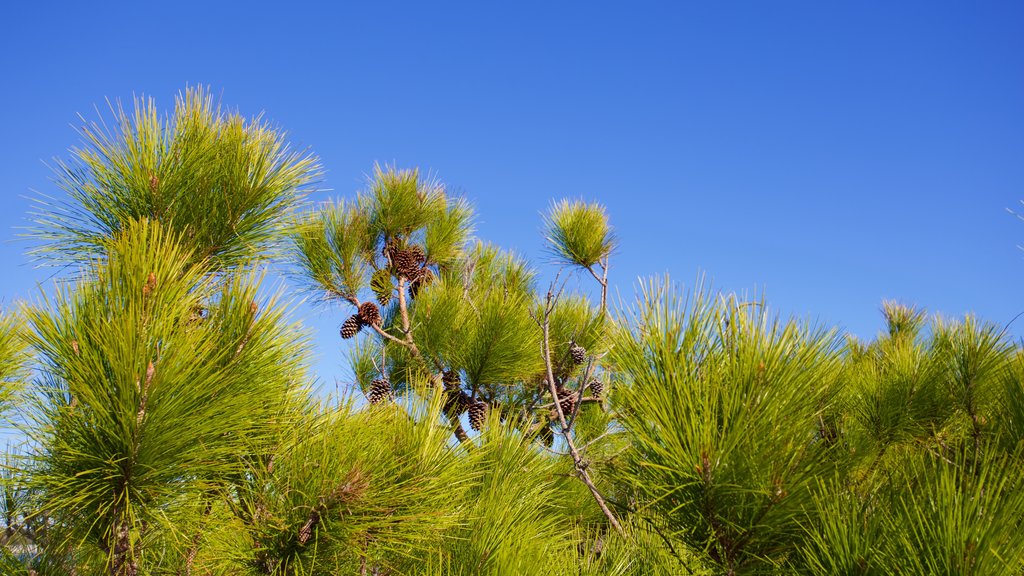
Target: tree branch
<point x="603" y="281"/>
<point x="580" y="463"/>
<point x="387" y="336"/>
<point x="403" y="308"/>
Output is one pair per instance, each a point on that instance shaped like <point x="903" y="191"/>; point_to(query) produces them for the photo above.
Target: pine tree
<point x="144" y="410"/>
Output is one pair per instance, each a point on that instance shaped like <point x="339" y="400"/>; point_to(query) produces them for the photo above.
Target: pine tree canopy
<point x="501" y="417"/>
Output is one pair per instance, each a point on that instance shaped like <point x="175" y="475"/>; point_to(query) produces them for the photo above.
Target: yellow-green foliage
<point x="764" y="446"/>
<point x="221" y="182"/>
<point x="14" y="359"/>
<point x="722" y="406"/>
<point x="156" y="380"/>
<point x="578" y="233"/>
<point x="169" y="428"/>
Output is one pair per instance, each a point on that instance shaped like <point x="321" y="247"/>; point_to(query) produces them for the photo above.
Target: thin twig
<point x="603" y="281"/>
<point x="554" y="452"/>
<point x="584" y="399"/>
<point x="381" y="331"/>
<point x="581" y="464"/>
<point x="599" y="437"/>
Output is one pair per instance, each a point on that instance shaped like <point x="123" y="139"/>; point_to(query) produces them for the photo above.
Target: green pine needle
<point x="578" y="233"/>
<point x="220" y="181"/>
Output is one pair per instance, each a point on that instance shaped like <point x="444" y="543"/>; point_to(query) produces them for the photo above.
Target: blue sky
<point x="832" y="154"/>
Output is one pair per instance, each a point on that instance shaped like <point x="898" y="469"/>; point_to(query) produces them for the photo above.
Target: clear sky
<point x="833" y="154"/>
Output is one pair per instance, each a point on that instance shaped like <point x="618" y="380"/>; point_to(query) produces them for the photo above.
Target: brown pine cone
<point x="351" y="327"/>
<point x="369" y="314"/>
<point x="380" y="390"/>
<point x="455" y="402"/>
<point x="477" y="415"/>
<point x="423" y="278"/>
<point x="417" y="254"/>
<point x="451" y="379"/>
<point x="577" y="352"/>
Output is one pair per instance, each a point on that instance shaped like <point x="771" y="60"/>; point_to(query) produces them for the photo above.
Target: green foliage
<point x="221" y="182"/>
<point x="1009" y="411"/>
<point x="439" y="313"/>
<point x="349" y="487"/>
<point x="14" y="360"/>
<point x="10" y="564"/>
<point x="945" y="514"/>
<point x="399" y="202"/>
<point x="722" y="405"/>
<point x="327" y="245"/>
<point x="170" y="429"/>
<point x="446" y="234"/>
<point x="903" y="321"/>
<point x="578" y="233"/>
<point x="513" y="522"/>
<point x="343" y="248"/>
<point x="640" y="551"/>
<point x="893" y="394"/>
<point x="145" y="399"/>
<point x="972" y="359"/>
<point x="498" y="341"/>
<point x="762" y="446"/>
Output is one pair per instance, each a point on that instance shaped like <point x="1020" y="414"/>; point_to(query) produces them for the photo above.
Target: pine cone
<point x="567" y="402"/>
<point x="380" y="390"/>
<point x="451" y="379"/>
<point x="424" y="277"/>
<point x="477" y="415"/>
<point x="306" y="532"/>
<point x="596" y="386"/>
<point x="546" y="435"/>
<point x="417" y="254"/>
<point x="578" y="353"/>
<point x="406" y="263"/>
<point x="369" y="314"/>
<point x="455" y="402"/>
<point x="351" y="327"/>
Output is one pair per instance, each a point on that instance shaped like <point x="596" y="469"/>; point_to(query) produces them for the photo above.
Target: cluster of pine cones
<point x="409" y="263"/>
<point x="368" y="315"/>
<point x="566" y="399"/>
<point x="456" y="401"/>
<point x="405" y="262"/>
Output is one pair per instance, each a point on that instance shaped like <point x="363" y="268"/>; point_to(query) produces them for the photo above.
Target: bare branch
<point x="603" y="281"/>
<point x="387" y="336"/>
<point x="580" y="463"/>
